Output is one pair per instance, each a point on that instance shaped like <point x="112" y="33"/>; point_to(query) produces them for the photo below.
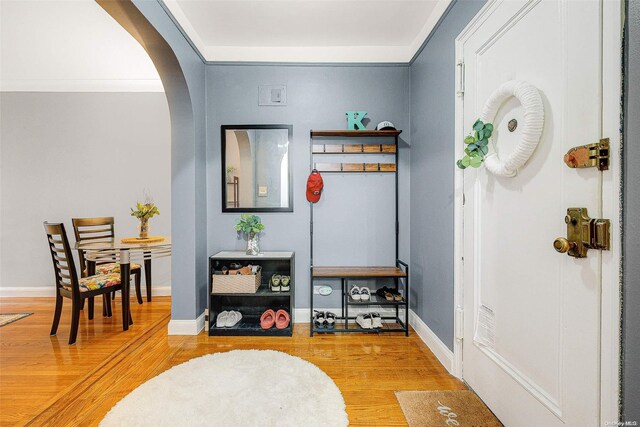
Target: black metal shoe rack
<point x="399" y="273"/>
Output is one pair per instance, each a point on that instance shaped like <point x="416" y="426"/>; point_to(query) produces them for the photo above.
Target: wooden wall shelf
<point x="355" y="133"/>
<point x="355" y="167"/>
<point x="354" y="148"/>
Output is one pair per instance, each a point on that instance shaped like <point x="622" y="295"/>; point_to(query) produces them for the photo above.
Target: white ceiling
<point x="74" y="45"/>
<point x="69" y="45"/>
<point x="308" y="30"/>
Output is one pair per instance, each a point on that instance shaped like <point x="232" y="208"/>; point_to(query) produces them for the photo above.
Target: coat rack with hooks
<point x="398" y="319"/>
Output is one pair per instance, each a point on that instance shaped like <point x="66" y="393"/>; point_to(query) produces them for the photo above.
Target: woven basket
<point x="236" y="284"/>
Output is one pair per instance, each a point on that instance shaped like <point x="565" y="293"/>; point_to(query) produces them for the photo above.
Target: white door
<point x="531" y="315"/>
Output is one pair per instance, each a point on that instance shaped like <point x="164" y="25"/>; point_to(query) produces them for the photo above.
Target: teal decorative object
<point x="354" y="120"/>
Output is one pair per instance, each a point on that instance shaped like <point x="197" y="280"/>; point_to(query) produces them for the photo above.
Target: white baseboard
<point x="437" y="347"/>
<point x="50" y="291"/>
<point x="186" y="327"/>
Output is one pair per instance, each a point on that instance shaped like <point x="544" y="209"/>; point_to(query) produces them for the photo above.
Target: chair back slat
<point x="61" y="256"/>
<point x="95" y="238"/>
<point x="92" y="230"/>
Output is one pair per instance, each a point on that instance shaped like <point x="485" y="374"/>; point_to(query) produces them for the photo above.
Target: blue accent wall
<point x="432" y="169"/>
<point x="354" y="219"/>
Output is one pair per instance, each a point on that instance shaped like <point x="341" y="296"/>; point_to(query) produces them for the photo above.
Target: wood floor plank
<point x="43" y="381"/>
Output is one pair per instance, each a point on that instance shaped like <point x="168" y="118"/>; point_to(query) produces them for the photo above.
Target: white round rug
<point x="236" y="388"/>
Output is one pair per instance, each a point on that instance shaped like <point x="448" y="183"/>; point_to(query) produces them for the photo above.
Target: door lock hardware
<point x="589" y="156"/>
<point x="583" y="233"/>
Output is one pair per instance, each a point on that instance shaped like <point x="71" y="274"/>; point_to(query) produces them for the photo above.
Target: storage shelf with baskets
<point x="250" y="294"/>
<point x="395" y="317"/>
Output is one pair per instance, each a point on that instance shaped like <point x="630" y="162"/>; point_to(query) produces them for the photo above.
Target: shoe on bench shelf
<point x="274" y="283"/>
<point x="330" y="321"/>
<point x="364" y="320"/>
<point x="319" y="319"/>
<point x="376" y="320"/>
<point x="284" y="283"/>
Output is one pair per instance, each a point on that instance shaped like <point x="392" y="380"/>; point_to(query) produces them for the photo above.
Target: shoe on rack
<point x="396" y="295"/>
<point x="364" y="320"/>
<point x="284" y="283"/>
<point x="233" y="318"/>
<point x="354" y="293"/>
<point x="268" y="319"/>
<point x="381" y="291"/>
<point x="365" y="294"/>
<point x="221" y="320"/>
<point x="376" y="320"/>
<point x="330" y="320"/>
<point x="319" y="319"/>
<point x="282" y="319"/>
<point x="274" y="283"/>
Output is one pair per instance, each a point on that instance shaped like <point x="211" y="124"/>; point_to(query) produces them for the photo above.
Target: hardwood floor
<point x="43" y="381"/>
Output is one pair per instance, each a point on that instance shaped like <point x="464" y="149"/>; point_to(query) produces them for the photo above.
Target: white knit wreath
<point x="531" y="102"/>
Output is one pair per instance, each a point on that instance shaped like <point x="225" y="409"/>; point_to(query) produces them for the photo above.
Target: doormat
<point x="7" y="318"/>
<point x="445" y="408"/>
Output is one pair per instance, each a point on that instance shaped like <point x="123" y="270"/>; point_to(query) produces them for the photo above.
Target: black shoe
<point x="380" y="292"/>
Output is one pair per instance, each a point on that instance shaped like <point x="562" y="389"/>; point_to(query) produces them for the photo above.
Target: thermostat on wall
<point x="272" y="95"/>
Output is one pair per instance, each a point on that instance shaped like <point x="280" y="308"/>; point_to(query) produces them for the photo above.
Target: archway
<point x="182" y="73"/>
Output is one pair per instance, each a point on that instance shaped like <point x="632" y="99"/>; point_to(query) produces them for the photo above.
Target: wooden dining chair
<point x="69" y="286"/>
<point x="103" y="229"/>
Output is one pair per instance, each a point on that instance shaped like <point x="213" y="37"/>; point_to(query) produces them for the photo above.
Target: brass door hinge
<point x="583" y="233"/>
<point x="589" y="156"/>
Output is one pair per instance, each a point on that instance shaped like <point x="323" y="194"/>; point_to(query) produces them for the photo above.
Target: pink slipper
<point x="267" y="319"/>
<point x="282" y="319"/>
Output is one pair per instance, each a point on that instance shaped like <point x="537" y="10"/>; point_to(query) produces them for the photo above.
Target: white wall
<point x="53" y="45"/>
<point x="65" y="155"/>
<point x="75" y="140"/>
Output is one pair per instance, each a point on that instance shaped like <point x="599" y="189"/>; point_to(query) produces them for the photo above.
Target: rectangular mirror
<point x="256" y="168"/>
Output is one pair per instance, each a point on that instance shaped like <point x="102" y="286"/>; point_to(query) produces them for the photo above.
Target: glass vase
<point x="253" y="247"/>
<point x="143" y="228"/>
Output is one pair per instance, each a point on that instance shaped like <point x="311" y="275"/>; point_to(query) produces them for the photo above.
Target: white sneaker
<point x="365" y="294"/>
<point x="364" y="320"/>
<point x="233" y="318"/>
<point x="354" y="293"/>
<point x="376" y="320"/>
<point x="221" y="320"/>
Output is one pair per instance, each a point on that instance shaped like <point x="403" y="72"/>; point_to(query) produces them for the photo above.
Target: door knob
<point x="562" y="245"/>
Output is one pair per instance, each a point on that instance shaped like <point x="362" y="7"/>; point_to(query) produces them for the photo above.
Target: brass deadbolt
<point x="583" y="233"/>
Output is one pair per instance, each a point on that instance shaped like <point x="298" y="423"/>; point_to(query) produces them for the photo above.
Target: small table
<point x="113" y="250"/>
